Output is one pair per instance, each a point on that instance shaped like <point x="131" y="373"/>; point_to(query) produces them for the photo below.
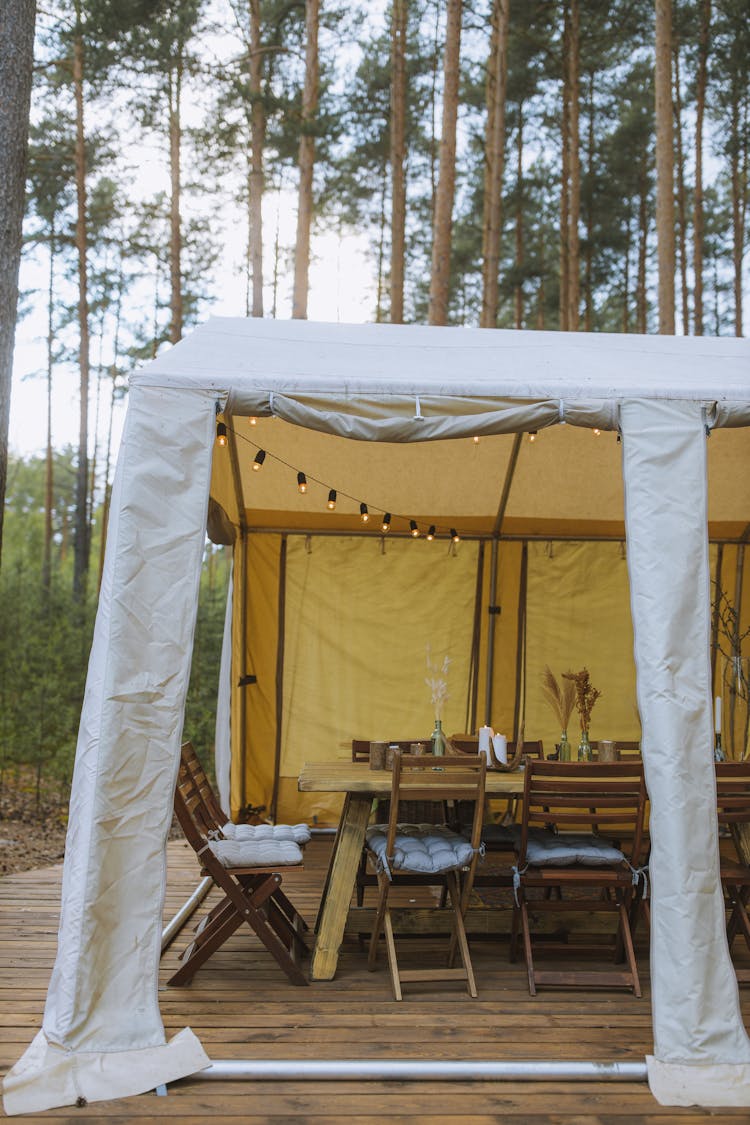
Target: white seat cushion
<point x="424" y="849"/>
<point x="547" y="848"/>
<point x="256" y="853"/>
<point x="300" y="833"/>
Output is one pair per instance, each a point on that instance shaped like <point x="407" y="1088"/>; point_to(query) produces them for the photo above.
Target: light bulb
<point x="475" y="439"/>
<point x="221" y="433"/>
<point x="260" y="457"/>
<point x="386" y="524"/>
<point x="532" y="435"/>
<point x="364" y="514"/>
<point x="302" y="482"/>
<point x="455" y="536"/>
<point x="332" y="499"/>
<point x="414" y="529"/>
<point x="431" y="533"/>
<point x="253" y="421"/>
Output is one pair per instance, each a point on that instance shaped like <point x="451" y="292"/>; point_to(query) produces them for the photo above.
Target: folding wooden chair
<point x="432" y="852"/>
<point x="733" y="808"/>
<point x="247" y="874"/>
<point x="573" y="814"/>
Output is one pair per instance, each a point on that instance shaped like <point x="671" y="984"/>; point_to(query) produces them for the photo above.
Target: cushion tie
<point x="639" y="873"/>
<point x="517" y="880"/>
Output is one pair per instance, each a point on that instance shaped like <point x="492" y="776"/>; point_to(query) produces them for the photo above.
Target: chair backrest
<point x="458" y="777"/>
<point x="733" y="803"/>
<point x="469" y="743"/>
<point x="194" y="766"/>
<point x="585" y="797"/>
<point x="361" y="748"/>
<point x="195" y="818"/>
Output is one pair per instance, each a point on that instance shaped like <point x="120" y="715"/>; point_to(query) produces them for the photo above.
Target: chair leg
<point x="527" y="946"/>
<point x="627" y="940"/>
<point x="459" y="934"/>
<point x="383" y="887"/>
<point x="390" y="945"/>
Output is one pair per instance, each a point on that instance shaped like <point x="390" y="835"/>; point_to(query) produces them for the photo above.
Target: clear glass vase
<point x="585" y="753"/>
<point x="564" y="751"/>
<point x="438" y="740"/>
<point x="735" y="733"/>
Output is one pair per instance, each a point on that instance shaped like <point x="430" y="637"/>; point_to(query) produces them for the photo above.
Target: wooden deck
<point x="241" y="1006"/>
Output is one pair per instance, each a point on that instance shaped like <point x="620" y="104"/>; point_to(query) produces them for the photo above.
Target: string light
<point x="332" y="499"/>
<point x="532" y="435"/>
<point x="260" y="457"/>
<point x="455" y="536"/>
<point x="431" y="533"/>
<point x="302" y="482"/>
<point x="221" y="433"/>
<point x="386" y="524"/>
<point x="253" y="421"/>
<point x="596" y="432"/>
<point x="475" y="439"/>
<point x="413" y="528"/>
<point x="363" y="513"/>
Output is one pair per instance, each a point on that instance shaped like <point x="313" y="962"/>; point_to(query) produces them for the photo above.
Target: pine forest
<point x="550" y="164"/>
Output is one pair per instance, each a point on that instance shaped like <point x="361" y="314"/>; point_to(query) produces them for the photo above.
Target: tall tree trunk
<point x="588" y="294"/>
<point x="82" y="540"/>
<point x="306" y="163"/>
<point x="681" y="204"/>
<point x="48" y="460"/>
<point x="574" y="205"/>
<point x="565" y="172"/>
<point x="664" y="166"/>
<point x="379" y="317"/>
<point x="641" y="308"/>
<point x="112" y="398"/>
<point x="276" y="254"/>
<point x="258" y="126"/>
<point x="16" y="58"/>
<point x="441" y="241"/>
<point x="541" y="293"/>
<point x="701" y="82"/>
<point x="519" y="247"/>
<point x="738" y="178"/>
<point x="398" y="158"/>
<point x="175" y="221"/>
<point x="626" y="282"/>
<point x="494" y="163"/>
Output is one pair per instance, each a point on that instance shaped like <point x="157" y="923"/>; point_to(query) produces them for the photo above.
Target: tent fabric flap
<point x="102" y="1004"/>
<point x="696" y="1013"/>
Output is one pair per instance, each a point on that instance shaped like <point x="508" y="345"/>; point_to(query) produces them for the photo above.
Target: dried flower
<point x="561" y="697"/>
<point x="586" y="695"/>
<point x="437" y="682"/>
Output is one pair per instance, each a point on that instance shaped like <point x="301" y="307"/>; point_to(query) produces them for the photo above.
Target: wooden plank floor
<point x="241" y="1006"/>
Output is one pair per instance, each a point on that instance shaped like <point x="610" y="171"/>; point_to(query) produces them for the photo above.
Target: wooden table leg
<point x="342" y="876"/>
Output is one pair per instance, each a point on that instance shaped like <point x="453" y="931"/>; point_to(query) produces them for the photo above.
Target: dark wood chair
<point x="434" y="853"/>
<point x="572" y="812"/>
<point x="248" y="875"/>
<point x="733" y="808"/>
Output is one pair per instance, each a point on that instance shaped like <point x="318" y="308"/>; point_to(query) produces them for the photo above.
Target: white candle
<point x="717" y="715"/>
<point x="485" y="737"/>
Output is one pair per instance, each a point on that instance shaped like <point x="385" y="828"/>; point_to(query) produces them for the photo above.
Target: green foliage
<point x="46" y="635"/>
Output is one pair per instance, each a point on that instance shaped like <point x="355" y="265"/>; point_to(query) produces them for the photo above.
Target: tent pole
<point x="279" y="676"/>
<point x="420" y="1070"/>
<point x="492" y="610"/>
<point x="715" y="617"/>
<point x="521" y="642"/>
<point x="240" y="595"/>
<point x="185" y="913"/>
<point x="471" y="702"/>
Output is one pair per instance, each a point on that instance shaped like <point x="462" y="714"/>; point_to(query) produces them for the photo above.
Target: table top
<point x="357" y="777"/>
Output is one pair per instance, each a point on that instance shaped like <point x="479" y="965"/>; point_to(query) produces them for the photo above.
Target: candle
<point x="717" y="715"/>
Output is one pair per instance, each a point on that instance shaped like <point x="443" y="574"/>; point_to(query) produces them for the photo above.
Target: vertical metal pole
<point x="491" y="632"/>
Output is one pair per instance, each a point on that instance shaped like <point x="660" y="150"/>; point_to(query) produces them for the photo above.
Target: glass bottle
<point x="564" y="752"/>
<point x="438" y="740"/>
<point x="585" y="753"/>
<point x="719" y="755"/>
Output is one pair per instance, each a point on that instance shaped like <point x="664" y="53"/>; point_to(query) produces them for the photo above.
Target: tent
<point x="386" y="417"/>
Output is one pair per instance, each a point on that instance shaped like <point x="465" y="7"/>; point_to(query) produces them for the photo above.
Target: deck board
<point x="241" y="1006"/>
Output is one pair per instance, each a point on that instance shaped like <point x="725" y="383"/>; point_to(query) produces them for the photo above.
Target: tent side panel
<point x="102" y="1026"/>
<point x="698" y="1030"/>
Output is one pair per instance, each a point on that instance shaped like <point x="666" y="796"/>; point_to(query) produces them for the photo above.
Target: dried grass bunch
<point x="560" y="696"/>
<point x="437" y="682"/>
<point x="586" y="695"/>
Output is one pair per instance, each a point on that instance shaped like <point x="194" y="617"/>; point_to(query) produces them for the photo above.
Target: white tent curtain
<point x="102" y="1012"/>
<point x="701" y="1050"/>
<point x="102" y="1034"/>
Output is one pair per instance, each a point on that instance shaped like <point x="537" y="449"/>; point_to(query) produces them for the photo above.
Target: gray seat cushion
<point x="256" y="853"/>
<point x="550" y="849"/>
<point x="424" y="849"/>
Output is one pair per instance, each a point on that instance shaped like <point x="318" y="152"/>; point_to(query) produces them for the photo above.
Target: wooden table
<point x="360" y="784"/>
